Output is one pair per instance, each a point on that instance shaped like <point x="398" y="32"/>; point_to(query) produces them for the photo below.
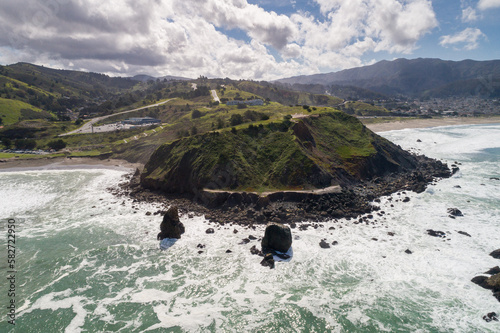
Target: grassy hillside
<point x="12" y="111"/>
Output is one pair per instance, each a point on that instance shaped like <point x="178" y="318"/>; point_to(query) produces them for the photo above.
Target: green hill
<point x="12" y="111"/>
<point x="315" y="152"/>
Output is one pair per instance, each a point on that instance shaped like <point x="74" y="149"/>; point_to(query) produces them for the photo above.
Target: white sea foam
<point x="107" y="262"/>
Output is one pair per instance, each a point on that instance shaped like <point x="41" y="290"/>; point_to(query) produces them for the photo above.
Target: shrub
<point x="196" y="114"/>
<point x="25" y="144"/>
<point x="57" y="144"/>
<point x="236" y="119"/>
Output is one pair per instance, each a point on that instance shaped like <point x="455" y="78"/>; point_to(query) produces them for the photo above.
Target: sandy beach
<point x="434" y="122"/>
<point x="62" y="163"/>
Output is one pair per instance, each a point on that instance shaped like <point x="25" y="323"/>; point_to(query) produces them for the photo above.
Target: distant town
<point x="465" y="107"/>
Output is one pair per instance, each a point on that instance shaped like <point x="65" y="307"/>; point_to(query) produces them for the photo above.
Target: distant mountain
<point x="146" y="78"/>
<point x="416" y="77"/>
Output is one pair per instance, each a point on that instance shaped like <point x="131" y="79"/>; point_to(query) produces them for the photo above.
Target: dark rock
<point x="492" y="316"/>
<point x="200" y="252"/>
<point x="277" y="237"/>
<point x="495" y="254"/>
<point x="494" y="178"/>
<point x="324" y="245"/>
<point x="454" y="170"/>
<point x="493" y="282"/>
<point x="493" y="271"/>
<point x="229" y="251"/>
<point x="406" y="199"/>
<point x="255" y="251"/>
<point x="148" y="213"/>
<point x="408" y="251"/>
<point x="235" y="231"/>
<point x="480" y="281"/>
<point x="374" y="239"/>
<point x="200" y="246"/>
<point x="210" y="231"/>
<point x="244" y="241"/>
<point x="457" y="186"/>
<point x="418" y="140"/>
<point x="335" y="243"/>
<point x="252" y="237"/>
<point x="497" y="295"/>
<point x="455" y="212"/>
<point x="436" y="233"/>
<point x="171" y="227"/>
<point x="268" y="261"/>
<point x="464" y="233"/>
<point x="390" y="233"/>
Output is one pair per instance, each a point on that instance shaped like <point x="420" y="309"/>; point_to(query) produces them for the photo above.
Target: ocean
<point x="87" y="261"/>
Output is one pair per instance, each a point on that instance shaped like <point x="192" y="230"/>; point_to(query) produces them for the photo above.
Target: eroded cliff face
<point x="316" y="152"/>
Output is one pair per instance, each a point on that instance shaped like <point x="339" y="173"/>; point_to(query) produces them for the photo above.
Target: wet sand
<point x="434" y="122"/>
<point x="62" y="163"/>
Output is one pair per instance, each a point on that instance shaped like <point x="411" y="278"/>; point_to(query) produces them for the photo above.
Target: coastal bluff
<point x="264" y="165"/>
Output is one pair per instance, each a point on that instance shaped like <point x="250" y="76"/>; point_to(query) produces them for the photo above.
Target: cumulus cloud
<point x="467" y="39"/>
<point x="469" y="14"/>
<point x="488" y="4"/>
<point x="189" y="38"/>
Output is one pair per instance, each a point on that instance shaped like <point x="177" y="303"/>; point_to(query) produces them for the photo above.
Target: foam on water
<point x="100" y="269"/>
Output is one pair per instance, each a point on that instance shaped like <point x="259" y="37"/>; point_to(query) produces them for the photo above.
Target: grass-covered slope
<point x="314" y="152"/>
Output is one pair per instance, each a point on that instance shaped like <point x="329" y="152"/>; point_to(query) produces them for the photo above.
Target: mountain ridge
<point x="414" y="77"/>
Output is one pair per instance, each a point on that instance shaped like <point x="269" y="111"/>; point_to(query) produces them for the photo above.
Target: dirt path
<point x="214" y="95"/>
<point x="326" y="190"/>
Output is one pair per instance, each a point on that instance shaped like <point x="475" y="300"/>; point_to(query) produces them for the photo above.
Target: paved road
<point x="87" y="127"/>
<point x="214" y="95"/>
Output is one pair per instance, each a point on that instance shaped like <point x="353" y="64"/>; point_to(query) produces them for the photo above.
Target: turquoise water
<point x="89" y="262"/>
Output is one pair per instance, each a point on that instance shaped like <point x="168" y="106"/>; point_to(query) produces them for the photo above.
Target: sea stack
<point x="171" y="226"/>
<point x="277" y="237"/>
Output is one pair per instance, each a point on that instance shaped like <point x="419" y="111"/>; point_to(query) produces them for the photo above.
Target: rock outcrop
<point x="277" y="237"/>
<point x="455" y="212"/>
<point x="495" y="254"/>
<point x="171" y="226"/>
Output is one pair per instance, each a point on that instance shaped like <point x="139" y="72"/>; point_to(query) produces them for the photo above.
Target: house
<point x="251" y="102"/>
<point x="141" y="121"/>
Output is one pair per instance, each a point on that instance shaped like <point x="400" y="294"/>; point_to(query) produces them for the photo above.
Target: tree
<point x="220" y="123"/>
<point x="7" y="143"/>
<point x="28" y="144"/>
<point x="196" y="114"/>
<point x="79" y="121"/>
<point x="236" y="119"/>
<point x="57" y="144"/>
<point x="194" y="130"/>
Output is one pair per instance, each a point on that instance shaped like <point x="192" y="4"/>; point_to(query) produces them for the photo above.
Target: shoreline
<point x="429" y="123"/>
<point x="65" y="163"/>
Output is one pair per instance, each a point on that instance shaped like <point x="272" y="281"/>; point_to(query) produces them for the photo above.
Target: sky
<point x="242" y="39"/>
